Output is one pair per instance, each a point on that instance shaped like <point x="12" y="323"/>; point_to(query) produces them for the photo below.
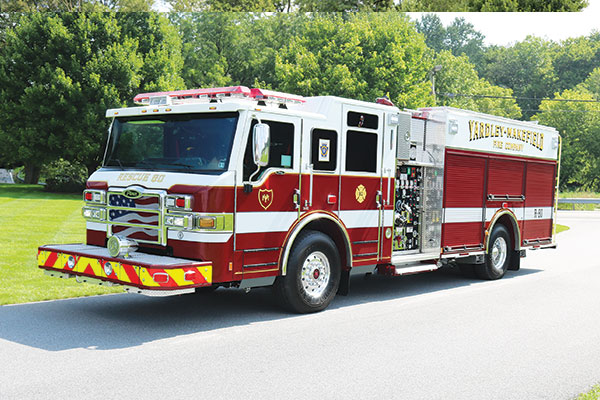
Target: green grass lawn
<point x="579" y="195"/>
<point x="593" y="394"/>
<point x="30" y="217"/>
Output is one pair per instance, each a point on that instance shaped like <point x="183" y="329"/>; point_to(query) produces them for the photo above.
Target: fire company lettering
<point x="481" y="130"/>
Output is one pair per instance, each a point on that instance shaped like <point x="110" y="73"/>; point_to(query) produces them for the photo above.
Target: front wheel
<point x="313" y="274"/>
<point x="498" y="256"/>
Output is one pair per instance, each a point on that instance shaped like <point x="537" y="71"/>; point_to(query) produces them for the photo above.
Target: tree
<point x="434" y="5"/>
<point x="460" y="37"/>
<point x="527" y="5"/>
<point x="344" y="5"/>
<point x="579" y="125"/>
<point x="574" y="59"/>
<point x="226" y="5"/>
<point x="363" y="57"/>
<point x="234" y="48"/>
<point x="526" y="67"/>
<point x="75" y="5"/>
<point x="458" y="85"/>
<point x="60" y="72"/>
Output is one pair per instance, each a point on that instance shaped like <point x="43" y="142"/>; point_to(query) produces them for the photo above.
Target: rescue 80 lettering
<point x="244" y="188"/>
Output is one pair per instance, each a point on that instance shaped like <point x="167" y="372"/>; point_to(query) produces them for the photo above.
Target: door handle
<point x="378" y="196"/>
<point x="296" y="198"/>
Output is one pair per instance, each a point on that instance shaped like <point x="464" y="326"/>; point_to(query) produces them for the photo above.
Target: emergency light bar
<point x="275" y="97"/>
<point x="166" y="98"/>
<point x="211" y="93"/>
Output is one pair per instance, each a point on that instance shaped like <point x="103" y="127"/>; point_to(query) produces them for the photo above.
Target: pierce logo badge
<point x="265" y="198"/>
<point x="132" y="194"/>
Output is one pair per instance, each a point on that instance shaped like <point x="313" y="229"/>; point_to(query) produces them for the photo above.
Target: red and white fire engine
<point x="245" y="188"/>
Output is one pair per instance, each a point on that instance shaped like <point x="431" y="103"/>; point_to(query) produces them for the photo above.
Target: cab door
<point x="361" y="181"/>
<point x="320" y="174"/>
<point x="266" y="206"/>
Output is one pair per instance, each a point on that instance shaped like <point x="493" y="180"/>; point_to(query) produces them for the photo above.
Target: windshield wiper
<point x="188" y="166"/>
<point x="118" y="161"/>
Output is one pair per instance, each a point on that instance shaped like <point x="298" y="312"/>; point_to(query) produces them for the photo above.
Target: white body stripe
<point x="455" y="215"/>
<point x="490" y="212"/>
<point x="388" y="217"/>
<point x="257" y="222"/>
<point x="200" y="237"/>
<point x="462" y="215"/>
<point x="360" y="218"/>
<point x="96" y="226"/>
<point x="532" y="213"/>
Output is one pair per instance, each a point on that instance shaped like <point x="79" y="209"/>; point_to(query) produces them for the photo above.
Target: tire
<point x="498" y="256"/>
<point x="313" y="274"/>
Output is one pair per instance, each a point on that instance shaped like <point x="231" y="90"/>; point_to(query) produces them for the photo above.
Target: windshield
<point x="182" y="143"/>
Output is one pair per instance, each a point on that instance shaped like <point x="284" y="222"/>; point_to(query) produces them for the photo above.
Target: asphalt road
<point x="533" y="334"/>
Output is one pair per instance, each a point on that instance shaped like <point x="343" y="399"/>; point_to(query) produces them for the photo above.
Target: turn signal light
<point x="206" y="222"/>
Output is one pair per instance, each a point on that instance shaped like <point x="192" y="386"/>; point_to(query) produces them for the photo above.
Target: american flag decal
<point x="141" y="211"/>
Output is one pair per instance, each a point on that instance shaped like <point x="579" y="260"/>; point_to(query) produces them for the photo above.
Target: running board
<point x="408" y="268"/>
<point x="399" y="258"/>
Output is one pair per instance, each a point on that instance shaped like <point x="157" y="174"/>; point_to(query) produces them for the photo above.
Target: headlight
<point x="179" y="221"/>
<point x="93" y="213"/>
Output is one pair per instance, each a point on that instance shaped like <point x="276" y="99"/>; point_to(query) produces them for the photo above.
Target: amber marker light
<point x="206" y="222"/>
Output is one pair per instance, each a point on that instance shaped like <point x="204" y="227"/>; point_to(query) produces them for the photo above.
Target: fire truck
<point x="245" y="188"/>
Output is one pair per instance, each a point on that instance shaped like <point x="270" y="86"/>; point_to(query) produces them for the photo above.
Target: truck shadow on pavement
<point x="125" y="320"/>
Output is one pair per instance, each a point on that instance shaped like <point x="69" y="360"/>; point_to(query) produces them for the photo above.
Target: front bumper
<point x="140" y="273"/>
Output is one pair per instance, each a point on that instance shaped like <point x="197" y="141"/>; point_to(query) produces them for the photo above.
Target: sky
<point x="505" y="28"/>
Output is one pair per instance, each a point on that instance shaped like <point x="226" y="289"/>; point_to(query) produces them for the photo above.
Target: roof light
<point x="276" y="97"/>
<point x="209" y="93"/>
<point x="384" y="101"/>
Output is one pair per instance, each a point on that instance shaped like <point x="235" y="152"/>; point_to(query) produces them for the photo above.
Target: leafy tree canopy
<point x="458" y="85"/>
<point x="363" y="57"/>
<point x="579" y="126"/>
<point x="60" y="72"/>
<point x="526" y="67"/>
<point x="460" y="37"/>
<point x="527" y="5"/>
<point x="75" y="5"/>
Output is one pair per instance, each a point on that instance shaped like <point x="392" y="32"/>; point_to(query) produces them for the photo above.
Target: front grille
<point x="139" y="219"/>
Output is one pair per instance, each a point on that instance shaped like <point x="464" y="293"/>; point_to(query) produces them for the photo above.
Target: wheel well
<point x="332" y="230"/>
<point x="511" y="226"/>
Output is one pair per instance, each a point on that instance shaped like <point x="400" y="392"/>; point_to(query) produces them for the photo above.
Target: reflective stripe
<point x="360" y="218"/>
<point x="258" y="222"/>
<point x="213" y="237"/>
<point x="456" y="215"/>
<point x="462" y="215"/>
<point x="96" y="226"/>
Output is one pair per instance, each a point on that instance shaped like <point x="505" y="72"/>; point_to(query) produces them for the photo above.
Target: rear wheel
<point x="498" y="256"/>
<point x="313" y="274"/>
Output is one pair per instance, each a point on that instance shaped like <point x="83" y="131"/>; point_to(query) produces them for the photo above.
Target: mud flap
<point x="344" y="287"/>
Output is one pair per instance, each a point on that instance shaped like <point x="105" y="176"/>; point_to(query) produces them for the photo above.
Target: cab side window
<point x="361" y="152"/>
<point x="281" y="151"/>
<point x="323" y="149"/>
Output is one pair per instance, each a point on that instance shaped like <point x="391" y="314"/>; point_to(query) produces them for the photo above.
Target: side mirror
<point x="261" y="140"/>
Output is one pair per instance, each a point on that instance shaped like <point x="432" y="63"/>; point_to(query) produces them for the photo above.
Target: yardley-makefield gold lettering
<point x="481" y="130"/>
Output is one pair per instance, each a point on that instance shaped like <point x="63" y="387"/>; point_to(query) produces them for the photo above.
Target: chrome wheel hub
<point x="499" y="253"/>
<point x="315" y="274"/>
